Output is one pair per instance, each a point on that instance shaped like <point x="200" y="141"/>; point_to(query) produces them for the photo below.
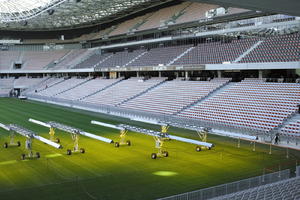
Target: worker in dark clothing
<point x="276" y="139"/>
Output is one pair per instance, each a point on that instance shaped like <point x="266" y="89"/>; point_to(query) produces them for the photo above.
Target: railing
<point x="176" y="121"/>
<point x="233" y="187"/>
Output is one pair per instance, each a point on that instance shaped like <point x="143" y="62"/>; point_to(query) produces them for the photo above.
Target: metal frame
<point x="22" y="14"/>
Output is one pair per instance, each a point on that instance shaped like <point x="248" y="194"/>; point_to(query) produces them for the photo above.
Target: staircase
<point x="247" y="52"/>
<point x="88" y="53"/>
<point x="135" y="59"/>
<point x="294" y="118"/>
<point x="81" y="83"/>
<point x="101" y="61"/>
<point x="101" y="90"/>
<point x="53" y="84"/>
<point x="178" y="57"/>
<point x="143" y="92"/>
<point x="214" y="93"/>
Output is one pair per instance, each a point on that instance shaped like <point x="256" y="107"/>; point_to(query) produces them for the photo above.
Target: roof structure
<point x="63" y="14"/>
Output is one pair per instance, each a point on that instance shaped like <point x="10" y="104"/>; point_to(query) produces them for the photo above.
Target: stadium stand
<point x="24" y="82"/>
<point x="194" y="12"/>
<point x="121" y="59"/>
<point x="35" y="60"/>
<point x="86" y="89"/>
<point x="62" y="86"/>
<point x="283" y="48"/>
<point x="120" y="92"/>
<point x="130" y="25"/>
<point x="6" y="85"/>
<point x="173" y="96"/>
<point x="93" y="60"/>
<point x="159" y="18"/>
<point x="249" y="105"/>
<point x="291" y="129"/>
<point x="285" y="189"/>
<point x="45" y="84"/>
<point x="161" y="55"/>
<point x="7" y="58"/>
<point x="72" y="58"/>
<point x="216" y="52"/>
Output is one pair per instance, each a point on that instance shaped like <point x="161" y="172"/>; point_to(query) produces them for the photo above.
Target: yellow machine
<point x="12" y="140"/>
<point x="159" y="144"/>
<point x="75" y="138"/>
<point x="123" y="141"/>
<point x="203" y="137"/>
<point x="52" y="134"/>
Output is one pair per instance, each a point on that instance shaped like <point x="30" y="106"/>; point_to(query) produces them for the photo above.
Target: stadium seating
<point x="194" y="12"/>
<point x="7" y="58"/>
<point x="6" y="85"/>
<point x="291" y="129"/>
<point x="44" y="85"/>
<point x="121" y="59"/>
<point x="216" y="52"/>
<point x="286" y="189"/>
<point x="283" y="48"/>
<point x="24" y="82"/>
<point x="72" y="58"/>
<point x="36" y="60"/>
<point x="161" y="55"/>
<point x="122" y="91"/>
<point x="62" y="86"/>
<point x="249" y="105"/>
<point x="7" y="82"/>
<point x="87" y="88"/>
<point x="159" y="18"/>
<point x="93" y="61"/>
<point x="172" y="96"/>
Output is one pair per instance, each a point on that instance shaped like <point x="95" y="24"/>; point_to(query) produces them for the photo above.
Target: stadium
<point x="140" y="99"/>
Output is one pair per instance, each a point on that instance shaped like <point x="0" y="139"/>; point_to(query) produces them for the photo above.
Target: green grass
<point x="106" y="172"/>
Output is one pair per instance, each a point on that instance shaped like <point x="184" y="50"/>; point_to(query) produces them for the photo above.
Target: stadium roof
<point x="67" y="14"/>
<point x="60" y="14"/>
<point x="289" y="7"/>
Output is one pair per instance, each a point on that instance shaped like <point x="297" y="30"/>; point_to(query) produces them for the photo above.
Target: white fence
<point x="233" y="187"/>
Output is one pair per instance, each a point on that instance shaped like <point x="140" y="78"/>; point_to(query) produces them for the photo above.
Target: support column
<point x="219" y="74"/>
<point x="137" y="74"/>
<point x="176" y="74"/>
<point x="186" y="75"/>
<point x="260" y="74"/>
<point x="159" y="74"/>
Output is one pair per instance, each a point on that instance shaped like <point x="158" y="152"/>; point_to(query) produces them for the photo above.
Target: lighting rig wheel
<point x="18" y="143"/>
<point x="38" y="155"/>
<point x="82" y="150"/>
<point x="166" y="154"/>
<point x="69" y="152"/>
<point x="57" y="140"/>
<point x="209" y="148"/>
<point x="198" y="149"/>
<point x="117" y="144"/>
<point x="128" y="143"/>
<point x="23" y="156"/>
<point x="5" y="145"/>
<point x="153" y="156"/>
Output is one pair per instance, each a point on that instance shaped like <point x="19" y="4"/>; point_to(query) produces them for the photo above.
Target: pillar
<point x="260" y="74"/>
<point x="219" y="74"/>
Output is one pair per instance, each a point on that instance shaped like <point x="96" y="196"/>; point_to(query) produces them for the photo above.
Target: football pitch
<point x="105" y="172"/>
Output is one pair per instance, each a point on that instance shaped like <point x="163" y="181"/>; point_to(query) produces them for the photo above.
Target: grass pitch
<point x="105" y="172"/>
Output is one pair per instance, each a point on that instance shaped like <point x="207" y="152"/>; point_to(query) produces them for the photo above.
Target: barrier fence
<point x="233" y="187"/>
<point x="129" y="113"/>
